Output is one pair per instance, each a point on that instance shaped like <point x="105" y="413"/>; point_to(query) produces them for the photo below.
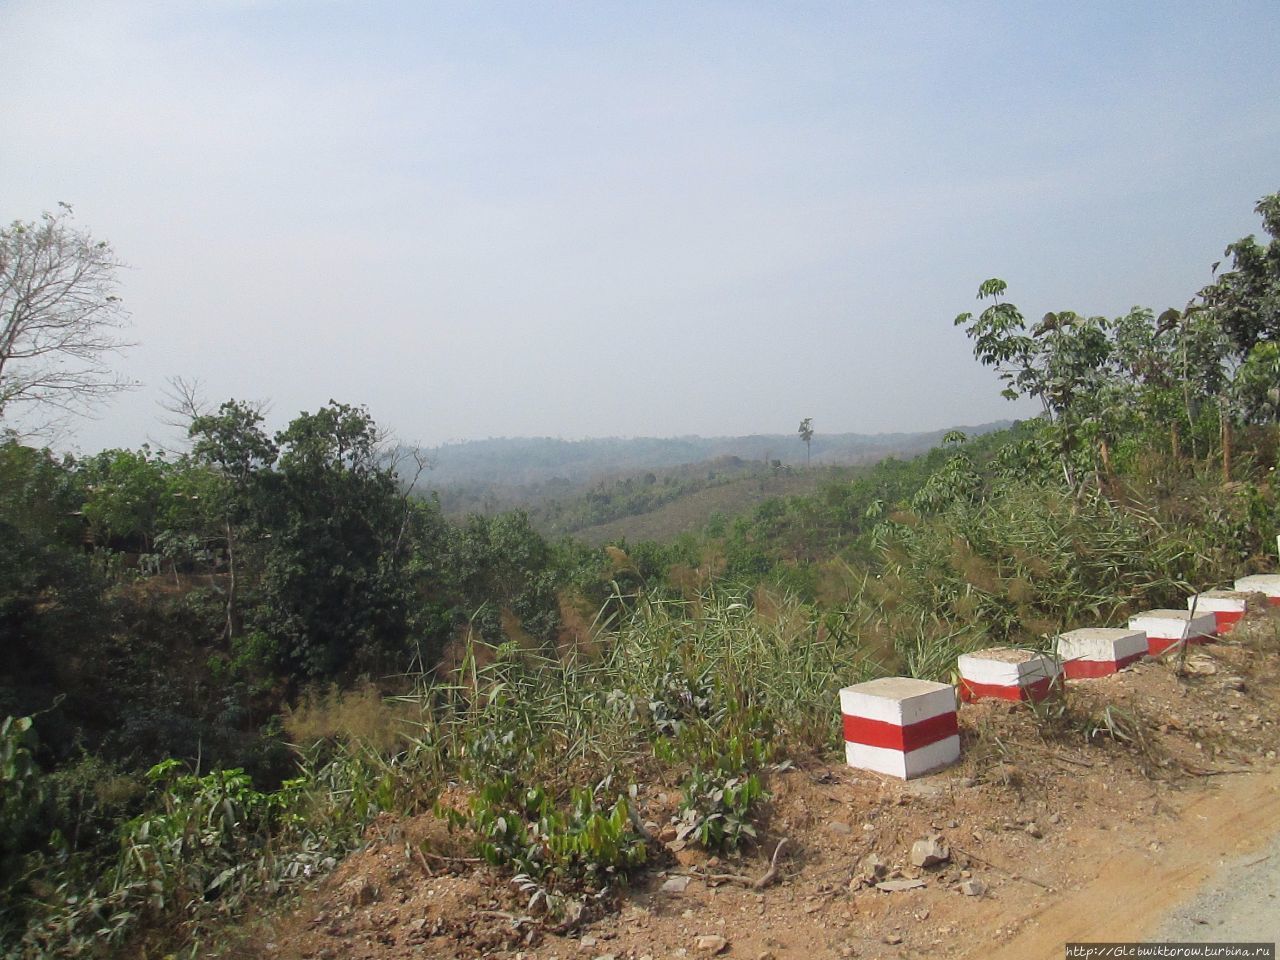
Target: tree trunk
<point x="1225" y="421"/>
<point x="231" y="583"/>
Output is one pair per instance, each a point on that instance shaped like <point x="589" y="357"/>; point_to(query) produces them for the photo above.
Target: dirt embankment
<point x="1093" y="820"/>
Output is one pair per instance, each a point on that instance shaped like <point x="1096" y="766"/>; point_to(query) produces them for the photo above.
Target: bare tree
<point x="401" y="459"/>
<point x="59" y="316"/>
<point x="183" y="401"/>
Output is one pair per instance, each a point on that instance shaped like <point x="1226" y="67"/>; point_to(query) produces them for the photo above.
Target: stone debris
<point x="1033" y="830"/>
<point x="1201" y="665"/>
<point x="675" y="885"/>
<point x="359" y="892"/>
<point x="874" y="869"/>
<point x="710" y="944"/>
<point x="896" y="886"/>
<point x="973" y="888"/>
<point x="929" y="852"/>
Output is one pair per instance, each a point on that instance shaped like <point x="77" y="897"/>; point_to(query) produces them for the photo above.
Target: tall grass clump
<point x="664" y="666"/>
<point x="1018" y="567"/>
<point x="553" y="752"/>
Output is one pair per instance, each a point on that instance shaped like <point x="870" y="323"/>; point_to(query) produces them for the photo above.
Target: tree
<point x="1245" y="301"/>
<point x="1257" y="384"/>
<point x="335" y="592"/>
<point x="806" y="435"/>
<point x="1243" y="307"/>
<point x="125" y="494"/>
<point x="59" y="316"/>
<point x="233" y="443"/>
<point x="1064" y="362"/>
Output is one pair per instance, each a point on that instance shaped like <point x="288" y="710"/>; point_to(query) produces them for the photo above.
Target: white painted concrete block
<point x="1164" y="628"/>
<point x="1099" y="651"/>
<point x="1264" y="583"/>
<point x="1007" y="674"/>
<point x="1227" y="607"/>
<point x="900" y="726"/>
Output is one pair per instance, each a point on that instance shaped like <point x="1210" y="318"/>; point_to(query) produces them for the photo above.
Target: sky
<point x="627" y="219"/>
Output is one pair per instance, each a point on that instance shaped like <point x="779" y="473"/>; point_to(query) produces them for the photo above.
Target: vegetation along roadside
<point x="224" y="668"/>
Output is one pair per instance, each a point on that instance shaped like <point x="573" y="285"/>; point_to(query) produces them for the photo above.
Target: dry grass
<point x="359" y="716"/>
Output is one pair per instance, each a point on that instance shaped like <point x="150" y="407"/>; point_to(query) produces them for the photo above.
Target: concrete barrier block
<point x="1099" y="651"/>
<point x="1164" y="628"/>
<point x="1007" y="674"/>
<point x="1227" y="607"/>
<point x="1264" y="583"/>
<point x="900" y="726"/>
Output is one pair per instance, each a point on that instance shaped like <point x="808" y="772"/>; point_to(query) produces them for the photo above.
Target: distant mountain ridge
<point x="520" y="461"/>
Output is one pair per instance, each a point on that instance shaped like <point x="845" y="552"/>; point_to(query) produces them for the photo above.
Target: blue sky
<point x="596" y="219"/>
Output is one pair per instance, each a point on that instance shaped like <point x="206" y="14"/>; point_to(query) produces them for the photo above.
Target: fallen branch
<point x="1008" y="873"/>
<point x="444" y="859"/>
<point x="765" y="879"/>
<point x="421" y="860"/>
<point x="1056" y="755"/>
<point x="638" y="824"/>
<point x="1197" y="772"/>
<point x="771" y="874"/>
<point x="514" y="918"/>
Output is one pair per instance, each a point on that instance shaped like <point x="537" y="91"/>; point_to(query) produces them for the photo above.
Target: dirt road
<point x="1240" y="902"/>
<point x="1214" y="878"/>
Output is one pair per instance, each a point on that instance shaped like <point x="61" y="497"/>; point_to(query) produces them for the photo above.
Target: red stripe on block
<point x="1274" y="601"/>
<point x="1226" y="619"/>
<point x="1088" y="669"/>
<point x="877" y="733"/>
<point x="1037" y="690"/>
<point x="1158" y="645"/>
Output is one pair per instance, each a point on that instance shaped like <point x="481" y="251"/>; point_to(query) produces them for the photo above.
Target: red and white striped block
<point x="1007" y="674"/>
<point x="1227" y="607"/>
<point x="1164" y="628"/>
<point x="899" y="726"/>
<point x="1099" y="651"/>
<point x="1268" y="583"/>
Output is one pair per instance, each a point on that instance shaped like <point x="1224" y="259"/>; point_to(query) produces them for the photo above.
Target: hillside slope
<point x="522" y="461"/>
<point x="1056" y="830"/>
<point x="690" y="513"/>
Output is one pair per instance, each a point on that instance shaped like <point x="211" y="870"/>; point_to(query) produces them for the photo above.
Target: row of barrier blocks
<point x="906" y="728"/>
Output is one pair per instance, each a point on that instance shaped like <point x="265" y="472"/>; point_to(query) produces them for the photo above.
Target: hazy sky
<point x="609" y="219"/>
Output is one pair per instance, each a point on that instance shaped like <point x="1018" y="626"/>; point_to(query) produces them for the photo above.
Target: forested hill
<point x="516" y="461"/>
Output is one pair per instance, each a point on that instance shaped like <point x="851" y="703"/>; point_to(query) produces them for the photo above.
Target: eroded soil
<point x="1076" y="825"/>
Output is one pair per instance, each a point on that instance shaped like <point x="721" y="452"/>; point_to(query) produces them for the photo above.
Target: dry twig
<point x="763" y="881"/>
<point x="505" y="915"/>
<point x="1009" y="873"/>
